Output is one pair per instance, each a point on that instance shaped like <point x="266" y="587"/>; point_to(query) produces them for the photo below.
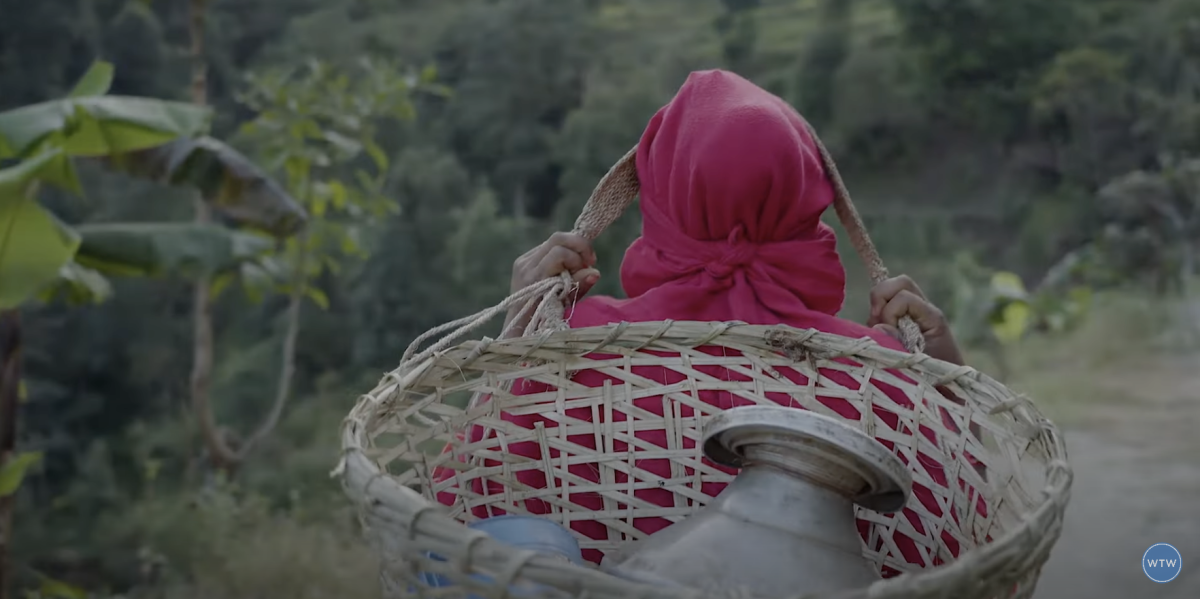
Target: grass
<point x="221" y="546"/>
<point x="1127" y="339"/>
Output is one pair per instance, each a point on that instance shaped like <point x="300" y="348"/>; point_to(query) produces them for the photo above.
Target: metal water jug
<point x="785" y="526"/>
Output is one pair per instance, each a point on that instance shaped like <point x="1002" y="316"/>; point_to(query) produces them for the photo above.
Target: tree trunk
<point x="219" y="452"/>
<point x="10" y="385"/>
<point x="287" y="368"/>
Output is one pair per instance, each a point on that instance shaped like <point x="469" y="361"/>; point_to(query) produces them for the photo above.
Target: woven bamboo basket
<point x="990" y="445"/>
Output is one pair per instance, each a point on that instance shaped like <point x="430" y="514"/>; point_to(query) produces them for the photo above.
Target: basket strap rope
<point x="615" y="192"/>
<point x="910" y="333"/>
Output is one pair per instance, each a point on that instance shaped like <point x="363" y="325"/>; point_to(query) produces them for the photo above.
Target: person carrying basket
<point x="733" y="187"/>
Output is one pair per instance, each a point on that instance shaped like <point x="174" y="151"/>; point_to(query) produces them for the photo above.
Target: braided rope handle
<point x="615" y="192"/>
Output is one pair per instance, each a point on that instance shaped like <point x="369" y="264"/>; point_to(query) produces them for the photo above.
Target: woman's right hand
<point x="898" y="297"/>
<point x="562" y="252"/>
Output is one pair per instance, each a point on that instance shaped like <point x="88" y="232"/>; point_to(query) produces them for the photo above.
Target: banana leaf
<point x="162" y="249"/>
<point x="236" y="188"/>
<point x="52" y="167"/>
<point x="95" y="82"/>
<point x="34" y="245"/>
<point x="99" y="125"/>
<point x="13" y="472"/>
<point x="77" y="285"/>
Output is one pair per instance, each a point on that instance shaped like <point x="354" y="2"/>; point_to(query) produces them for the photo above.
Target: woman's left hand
<point x="898" y="297"/>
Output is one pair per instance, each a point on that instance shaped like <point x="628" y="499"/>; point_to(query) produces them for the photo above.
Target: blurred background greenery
<point x="1032" y="163"/>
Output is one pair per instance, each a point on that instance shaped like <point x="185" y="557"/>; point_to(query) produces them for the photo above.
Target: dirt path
<point x="1137" y="483"/>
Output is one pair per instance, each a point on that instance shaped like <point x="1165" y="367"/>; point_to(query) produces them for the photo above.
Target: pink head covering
<point x="732" y="191"/>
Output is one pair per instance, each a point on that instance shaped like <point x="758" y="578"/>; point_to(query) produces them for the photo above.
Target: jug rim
<point x="887" y="481"/>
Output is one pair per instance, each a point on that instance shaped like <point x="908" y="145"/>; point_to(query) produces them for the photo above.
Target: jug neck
<point x="768" y="496"/>
<point x="812" y="464"/>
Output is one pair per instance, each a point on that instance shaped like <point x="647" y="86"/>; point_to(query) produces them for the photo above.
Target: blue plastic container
<point x="525" y="532"/>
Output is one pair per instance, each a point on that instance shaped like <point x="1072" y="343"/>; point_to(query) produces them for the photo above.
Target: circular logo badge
<point x="1162" y="563"/>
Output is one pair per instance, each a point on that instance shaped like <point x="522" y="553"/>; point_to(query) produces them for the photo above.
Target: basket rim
<point x="371" y="488"/>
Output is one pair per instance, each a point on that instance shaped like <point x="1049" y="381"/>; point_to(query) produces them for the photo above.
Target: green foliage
<point x="160" y="249"/>
<point x="984" y="55"/>
<point x="1079" y="78"/>
<point x="990" y="306"/>
<point x="232" y="544"/>
<point x="12" y="472"/>
<point x="95" y="82"/>
<point x="319" y="125"/>
<point x="738" y="29"/>
<point x="1085" y="101"/>
<point x="51" y="166"/>
<point x="432" y="188"/>
<point x="1010" y="315"/>
<point x="34" y="247"/>
<point x="98" y="125"/>
<point x="1151" y="221"/>
<point x="77" y="285"/>
<point x="823" y="59"/>
<point x="56" y="589"/>
<point x="228" y="181"/>
<point x="517" y="69"/>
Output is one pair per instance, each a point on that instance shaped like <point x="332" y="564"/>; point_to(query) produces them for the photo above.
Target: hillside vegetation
<point x="1054" y="140"/>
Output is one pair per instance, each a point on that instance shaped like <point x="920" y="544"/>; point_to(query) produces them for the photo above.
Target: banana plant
<point x="42" y="257"/>
<point x="143" y="137"/>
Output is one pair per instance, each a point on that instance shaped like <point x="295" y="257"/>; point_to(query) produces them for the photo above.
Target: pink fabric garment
<point x="732" y="190"/>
